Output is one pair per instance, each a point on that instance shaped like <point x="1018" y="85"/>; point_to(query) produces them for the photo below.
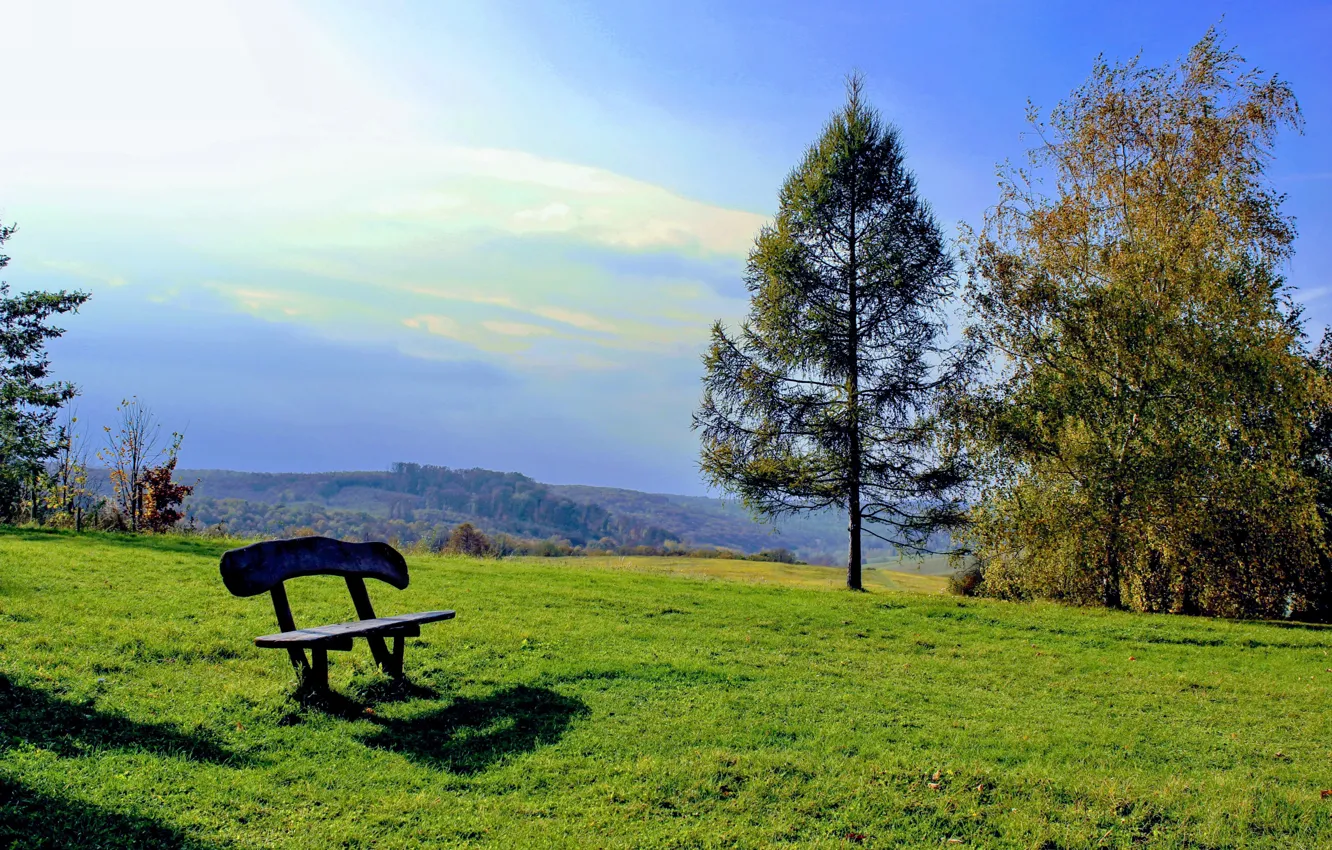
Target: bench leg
<point x="319" y="670"/>
<point x="380" y="651"/>
<point x="396" y="669"/>
<point x="298" y="661"/>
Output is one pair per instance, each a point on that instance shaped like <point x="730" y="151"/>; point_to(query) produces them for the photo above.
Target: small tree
<point x="130" y="452"/>
<point x="466" y="539"/>
<point x="828" y="395"/>
<point x="29" y="403"/>
<point x="162" y="497"/>
<point x="68" y="494"/>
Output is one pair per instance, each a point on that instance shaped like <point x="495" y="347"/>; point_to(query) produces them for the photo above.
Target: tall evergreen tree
<point x="826" y="397"/>
<point x="29" y="403"/>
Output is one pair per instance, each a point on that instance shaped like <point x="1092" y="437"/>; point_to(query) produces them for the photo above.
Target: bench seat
<point x="338" y="636"/>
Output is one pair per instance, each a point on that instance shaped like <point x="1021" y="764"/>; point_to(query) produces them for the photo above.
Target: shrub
<point x="466" y="539"/>
<point x="967" y="580"/>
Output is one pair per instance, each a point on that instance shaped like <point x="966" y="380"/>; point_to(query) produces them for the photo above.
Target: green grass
<point x="599" y="705"/>
<point x="892" y="575"/>
<point x="925" y="565"/>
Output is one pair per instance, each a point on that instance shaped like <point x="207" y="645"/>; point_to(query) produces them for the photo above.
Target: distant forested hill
<point x="817" y="537"/>
<point x="410" y="502"/>
<point x="413" y="502"/>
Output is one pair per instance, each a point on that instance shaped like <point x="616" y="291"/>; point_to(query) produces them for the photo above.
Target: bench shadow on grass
<point x="29" y="715"/>
<point x="32" y="818"/>
<point x="469" y="735"/>
<point x="357" y="703"/>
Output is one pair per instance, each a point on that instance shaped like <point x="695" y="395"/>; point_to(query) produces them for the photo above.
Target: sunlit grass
<point x="576" y="703"/>
<point x="759" y="572"/>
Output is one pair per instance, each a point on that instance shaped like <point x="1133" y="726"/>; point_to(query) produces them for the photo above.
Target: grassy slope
<point x="889" y="576"/>
<point x="571" y="705"/>
<point x="922" y="565"/>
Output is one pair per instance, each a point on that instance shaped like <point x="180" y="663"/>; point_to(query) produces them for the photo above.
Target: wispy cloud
<point x="515" y="329"/>
<point x="1313" y="293"/>
<point x="583" y="321"/>
<point x="84" y="271"/>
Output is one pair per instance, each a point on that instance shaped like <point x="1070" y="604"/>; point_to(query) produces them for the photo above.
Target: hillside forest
<point x="419" y="505"/>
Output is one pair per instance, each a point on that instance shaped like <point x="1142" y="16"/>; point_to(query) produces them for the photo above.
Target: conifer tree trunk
<point x="853" y="578"/>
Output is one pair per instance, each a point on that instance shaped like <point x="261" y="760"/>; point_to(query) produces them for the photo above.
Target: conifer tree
<point x="29" y="402"/>
<point x="826" y="397"/>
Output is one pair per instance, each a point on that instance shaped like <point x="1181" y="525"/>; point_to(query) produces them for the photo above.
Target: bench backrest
<point x="261" y="567"/>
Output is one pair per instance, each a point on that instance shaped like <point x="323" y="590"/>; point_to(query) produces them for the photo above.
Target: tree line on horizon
<point x="1130" y="416"/>
<point x="418" y="504"/>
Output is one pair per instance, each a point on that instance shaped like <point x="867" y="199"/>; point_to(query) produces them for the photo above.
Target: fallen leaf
<point x="936" y="776"/>
<point x="934" y="786"/>
<point x="1325" y="793"/>
<point x="1131" y="658"/>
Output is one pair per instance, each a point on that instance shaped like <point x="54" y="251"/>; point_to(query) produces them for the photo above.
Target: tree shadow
<point x="170" y="544"/>
<point x="71" y="730"/>
<point x="1303" y="625"/>
<point x="31" y="819"/>
<point x="470" y="735"/>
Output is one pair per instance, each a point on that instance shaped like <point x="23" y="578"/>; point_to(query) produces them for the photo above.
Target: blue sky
<point x="335" y="235"/>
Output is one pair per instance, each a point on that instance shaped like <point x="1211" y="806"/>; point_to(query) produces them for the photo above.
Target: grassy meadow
<point x="640" y="703"/>
<point x="890" y="575"/>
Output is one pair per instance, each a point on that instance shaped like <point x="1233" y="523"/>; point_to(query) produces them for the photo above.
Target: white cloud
<point x="515" y="328"/>
<point x="556" y="212"/>
<point x="115" y="92"/>
<point x="573" y="317"/>
<point x="437" y="325"/>
<point x="242" y="137"/>
<point x="1312" y="294"/>
<point x="410" y="204"/>
<point x="520" y="167"/>
<point x="78" y="269"/>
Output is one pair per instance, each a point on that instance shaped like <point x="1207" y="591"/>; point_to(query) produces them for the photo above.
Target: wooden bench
<point x="261" y="567"/>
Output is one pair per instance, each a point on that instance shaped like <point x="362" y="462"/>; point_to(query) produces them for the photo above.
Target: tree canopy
<point x="1142" y="429"/>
